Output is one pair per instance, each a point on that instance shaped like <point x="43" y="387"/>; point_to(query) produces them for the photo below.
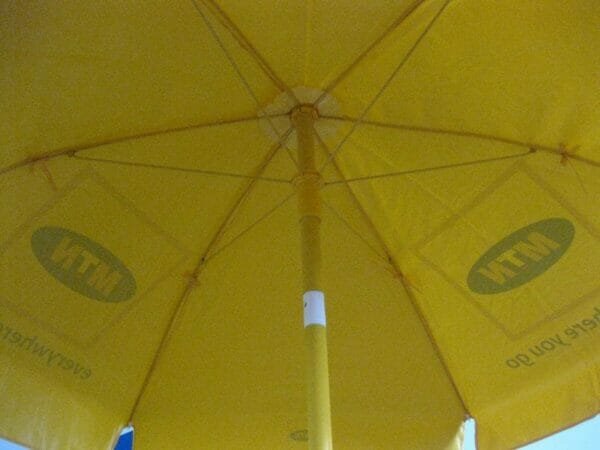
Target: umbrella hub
<point x="305" y="109"/>
<point x="278" y="116"/>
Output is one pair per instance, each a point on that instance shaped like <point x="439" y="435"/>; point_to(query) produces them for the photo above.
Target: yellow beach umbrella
<point x="179" y="180"/>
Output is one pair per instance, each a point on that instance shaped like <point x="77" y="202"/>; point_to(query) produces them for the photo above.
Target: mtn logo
<point x="521" y="256"/>
<point x="82" y="264"/>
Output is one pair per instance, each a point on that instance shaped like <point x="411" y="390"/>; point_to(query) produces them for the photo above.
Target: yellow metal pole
<point x="308" y="185"/>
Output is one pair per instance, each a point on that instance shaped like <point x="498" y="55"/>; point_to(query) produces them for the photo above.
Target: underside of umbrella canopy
<point x="151" y="252"/>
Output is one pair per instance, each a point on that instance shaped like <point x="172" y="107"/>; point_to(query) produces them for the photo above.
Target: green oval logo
<point x="521" y="256"/>
<point x="82" y="265"/>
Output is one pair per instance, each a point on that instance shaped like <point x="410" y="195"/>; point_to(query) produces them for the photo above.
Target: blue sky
<point x="585" y="436"/>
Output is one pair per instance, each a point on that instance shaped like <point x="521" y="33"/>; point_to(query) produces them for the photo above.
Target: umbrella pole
<point x="308" y="185"/>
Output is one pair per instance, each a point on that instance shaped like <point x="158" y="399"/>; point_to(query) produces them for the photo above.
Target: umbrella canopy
<point x="151" y="252"/>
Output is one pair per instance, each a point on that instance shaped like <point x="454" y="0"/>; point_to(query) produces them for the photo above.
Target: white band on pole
<point x="314" y="308"/>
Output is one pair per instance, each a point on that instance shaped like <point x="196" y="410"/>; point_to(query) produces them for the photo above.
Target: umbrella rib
<point x="387" y="83"/>
<point x="581" y="159"/>
<point x="250" y="227"/>
<point x="576" y="173"/>
<point x="73" y="149"/>
<point x="195" y="274"/>
<point x="431" y="169"/>
<point x="247" y="45"/>
<point x="393" y="26"/>
<point x="339" y="217"/>
<point x="433" y="130"/>
<point x="560" y="150"/>
<point x="179" y="169"/>
<point x="240" y="75"/>
<point x="403" y="281"/>
<point x="336" y="213"/>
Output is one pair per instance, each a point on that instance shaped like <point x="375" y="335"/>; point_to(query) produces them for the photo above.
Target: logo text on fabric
<point x="521" y="256"/>
<point x="82" y="264"/>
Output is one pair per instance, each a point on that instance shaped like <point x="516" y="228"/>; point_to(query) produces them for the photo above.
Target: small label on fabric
<point x="314" y="308"/>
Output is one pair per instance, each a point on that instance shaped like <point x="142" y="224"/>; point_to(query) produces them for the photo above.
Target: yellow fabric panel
<point x="359" y="87"/>
<point x="339" y="29"/>
<point x="81" y="73"/>
<point x="72" y="365"/>
<point x="232" y="374"/>
<point x="86" y="197"/>
<point x="523" y="70"/>
<point x="38" y="402"/>
<point x="531" y="349"/>
<point x="323" y="37"/>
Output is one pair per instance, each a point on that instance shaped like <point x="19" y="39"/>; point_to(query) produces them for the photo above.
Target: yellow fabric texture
<point x="150" y="245"/>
